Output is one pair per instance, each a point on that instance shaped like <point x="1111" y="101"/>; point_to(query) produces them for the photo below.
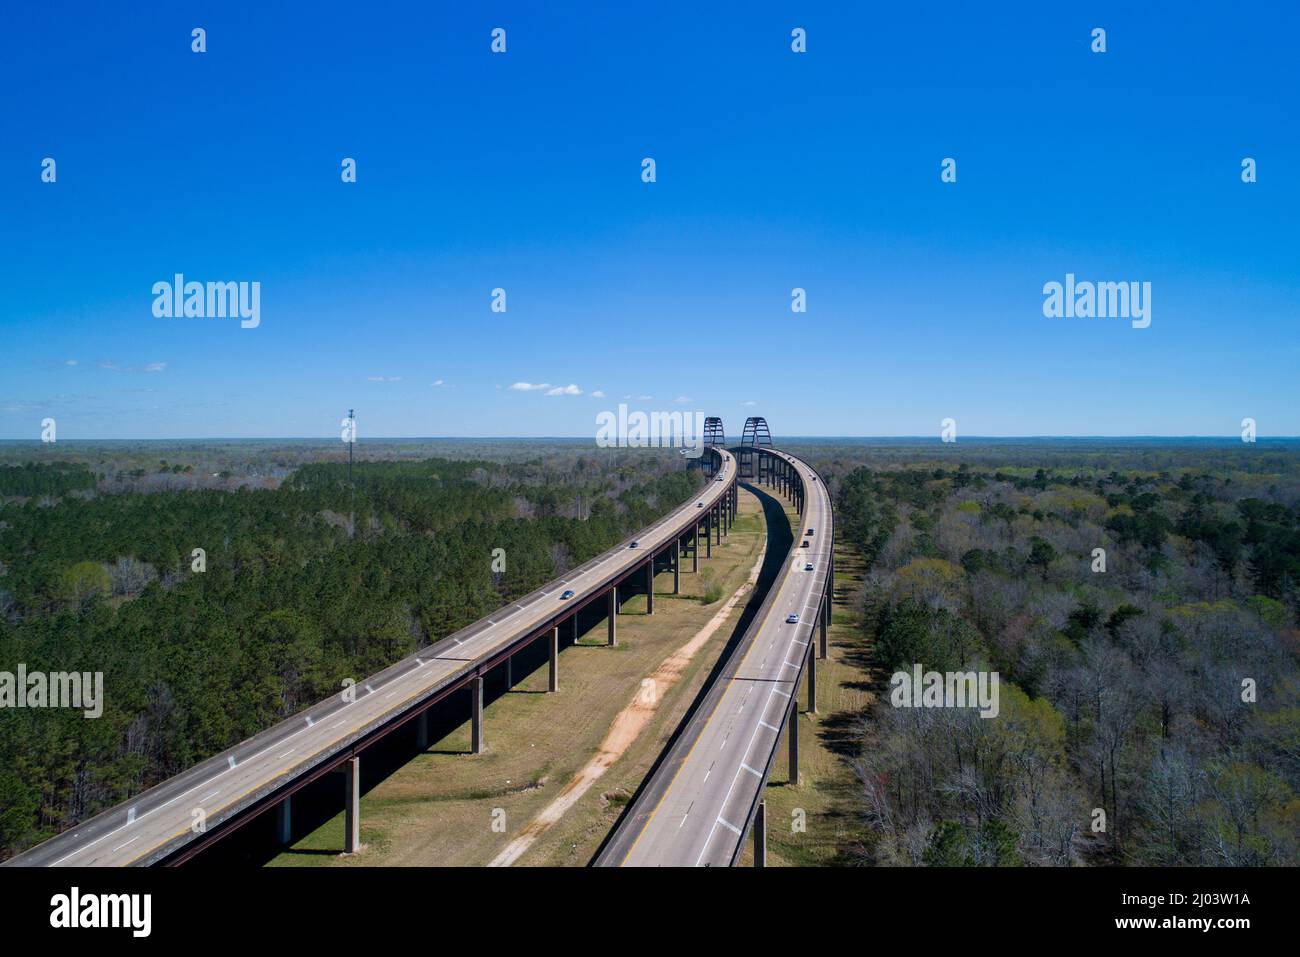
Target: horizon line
<point x="587" y="438"/>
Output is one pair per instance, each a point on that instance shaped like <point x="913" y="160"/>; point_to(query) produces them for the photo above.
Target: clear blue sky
<point x="522" y="171"/>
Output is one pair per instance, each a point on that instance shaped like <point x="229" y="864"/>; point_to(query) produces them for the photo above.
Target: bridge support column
<point x="613" y="606"/>
<point x="553" y="684"/>
<point x="575" y="627"/>
<point x="793" y="737"/>
<point x="284" y="821"/>
<point x="352" y="806"/>
<point x="708" y="533"/>
<point x="677" y="566"/>
<point x="826" y="603"/>
<point x="760" y="835"/>
<point x="510" y="672"/>
<point x="812" y="677"/>
<point x="650" y="586"/>
<point x="695" y="548"/>
<point x="476" y="715"/>
<point x="422" y="730"/>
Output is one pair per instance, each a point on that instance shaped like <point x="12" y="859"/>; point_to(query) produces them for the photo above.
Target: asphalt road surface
<point x="695" y="810"/>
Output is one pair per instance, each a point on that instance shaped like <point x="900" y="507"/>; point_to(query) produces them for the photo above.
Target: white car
<point x="792" y="619"/>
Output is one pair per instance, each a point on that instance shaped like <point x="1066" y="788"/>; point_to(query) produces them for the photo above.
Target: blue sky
<point x="522" y="171"/>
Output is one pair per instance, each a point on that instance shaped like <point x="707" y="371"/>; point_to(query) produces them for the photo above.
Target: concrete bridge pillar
<point x="677" y="566"/>
<point x="476" y="715"/>
<point x="695" y="548"/>
<point x="824" y="616"/>
<point x="284" y="821"/>
<point x="352" y="806"/>
<point x="650" y="586"/>
<point x="422" y="729"/>
<point x="812" y="677"/>
<point x="760" y="835"/>
<point x="613" y="607"/>
<point x="793" y="739"/>
<point x="553" y="683"/>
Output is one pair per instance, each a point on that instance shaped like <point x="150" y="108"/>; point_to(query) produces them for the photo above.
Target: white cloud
<point x="683" y="399"/>
<point x="644" y="398"/>
<point x="749" y="402"/>
<point x="70" y="362"/>
<point x="529" y="386"/>
<point x="437" y="383"/>
<point x="112" y="366"/>
<point x="569" y="389"/>
<point x="598" y="394"/>
<point x="384" y="378"/>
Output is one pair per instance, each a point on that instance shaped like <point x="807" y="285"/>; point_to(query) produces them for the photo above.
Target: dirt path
<point x="629" y="723"/>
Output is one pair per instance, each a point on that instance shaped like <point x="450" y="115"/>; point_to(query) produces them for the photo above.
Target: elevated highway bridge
<point x="696" y="808"/>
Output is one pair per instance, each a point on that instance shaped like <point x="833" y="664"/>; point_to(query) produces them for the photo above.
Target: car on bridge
<point x="699" y="505"/>
<point x="568" y="593"/>
<point x="809" y="532"/>
<point x="638" y="545"/>
<point x="792" y="619"/>
<point x="808" y="567"/>
<point x="804" y="545"/>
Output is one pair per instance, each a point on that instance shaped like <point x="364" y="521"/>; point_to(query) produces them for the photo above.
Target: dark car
<point x="568" y="593"/>
<point x="804" y="545"/>
<point x="809" y="532"/>
<point x="635" y="545"/>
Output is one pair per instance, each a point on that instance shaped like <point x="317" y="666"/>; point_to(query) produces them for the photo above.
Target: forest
<point x="305" y="578"/>
<point x="1139" y="604"/>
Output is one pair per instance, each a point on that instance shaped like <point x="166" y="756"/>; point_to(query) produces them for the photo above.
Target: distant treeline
<point x="305" y="585"/>
<point x="45" y="478"/>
